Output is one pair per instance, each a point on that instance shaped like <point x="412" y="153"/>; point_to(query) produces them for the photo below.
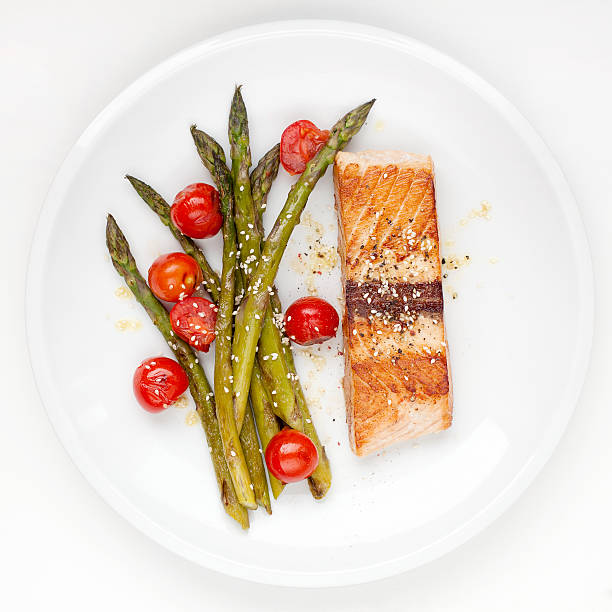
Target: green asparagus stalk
<point x="161" y="207"/>
<point x="320" y="481"/>
<point x="248" y="327"/>
<point x="247" y="226"/>
<point x="267" y="423"/>
<point x="234" y="455"/>
<point x="240" y="153"/>
<point x="213" y="158"/>
<point x="274" y="370"/>
<point x="261" y="181"/>
<point x="254" y="455"/>
<point x="125" y="265"/>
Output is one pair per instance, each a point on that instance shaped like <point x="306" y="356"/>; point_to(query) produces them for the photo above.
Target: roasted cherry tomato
<point x="196" y="211"/>
<point x="291" y="456"/>
<point x="159" y="382"/>
<point x="299" y="143"/>
<point x="311" y="320"/>
<point x="193" y="320"/>
<point x="174" y="276"/>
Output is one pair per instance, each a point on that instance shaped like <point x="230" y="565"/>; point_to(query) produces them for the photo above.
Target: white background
<point x="61" y="547"/>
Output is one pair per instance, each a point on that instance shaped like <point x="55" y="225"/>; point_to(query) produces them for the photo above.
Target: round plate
<point x="518" y="311"/>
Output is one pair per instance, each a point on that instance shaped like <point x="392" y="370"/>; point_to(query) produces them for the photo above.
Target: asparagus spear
<point x="125" y="265"/>
<point x="254" y="454"/>
<point x="282" y="368"/>
<point x="234" y="455"/>
<point x="213" y="158"/>
<point x="161" y="207"/>
<point x="274" y="370"/>
<point x="261" y="180"/>
<point x="267" y="423"/>
<point x="270" y="343"/>
<point x="247" y="327"/>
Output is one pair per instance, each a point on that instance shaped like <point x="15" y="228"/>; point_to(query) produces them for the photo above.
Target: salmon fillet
<point x="397" y="378"/>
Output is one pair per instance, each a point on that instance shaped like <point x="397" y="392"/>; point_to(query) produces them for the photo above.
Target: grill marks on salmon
<point x="397" y="381"/>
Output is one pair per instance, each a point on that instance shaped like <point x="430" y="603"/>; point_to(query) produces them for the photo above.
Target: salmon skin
<point x="397" y="378"/>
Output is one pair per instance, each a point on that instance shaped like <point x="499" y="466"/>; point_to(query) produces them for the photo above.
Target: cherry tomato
<point x="193" y="320"/>
<point x="159" y="382"/>
<point x="291" y="456"/>
<point x="174" y="276"/>
<point x="196" y="211"/>
<point x="300" y="142"/>
<point x="311" y="320"/>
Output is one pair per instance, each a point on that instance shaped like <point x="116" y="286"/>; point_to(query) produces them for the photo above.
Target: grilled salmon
<point x="397" y="379"/>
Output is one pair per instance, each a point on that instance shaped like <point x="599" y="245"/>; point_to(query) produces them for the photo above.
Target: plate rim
<point x="521" y="480"/>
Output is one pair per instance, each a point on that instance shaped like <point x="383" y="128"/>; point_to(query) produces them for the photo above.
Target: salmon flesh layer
<point x="397" y="379"/>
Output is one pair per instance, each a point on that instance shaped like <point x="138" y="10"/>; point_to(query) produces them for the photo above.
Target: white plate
<point x="519" y="329"/>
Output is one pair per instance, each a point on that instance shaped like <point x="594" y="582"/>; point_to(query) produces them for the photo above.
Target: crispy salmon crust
<point x="397" y="379"/>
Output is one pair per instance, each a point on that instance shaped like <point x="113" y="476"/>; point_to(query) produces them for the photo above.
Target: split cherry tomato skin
<point x="311" y="320"/>
<point x="196" y="211"/>
<point x="158" y="382"/>
<point x="193" y="319"/>
<point x="291" y="456"/>
<point x="300" y="142"/>
<point x="174" y="276"/>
